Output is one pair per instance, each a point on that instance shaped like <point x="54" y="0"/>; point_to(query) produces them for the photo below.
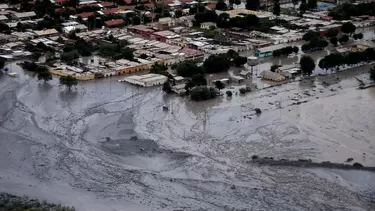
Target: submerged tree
<point x="307" y="65"/>
<point x="68" y="81"/>
<point x="45" y="75"/>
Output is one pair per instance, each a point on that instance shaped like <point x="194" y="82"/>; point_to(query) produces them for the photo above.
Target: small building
<point x="141" y="30"/>
<point x="268" y="75"/>
<point x="3" y="18"/>
<point x="267" y="51"/>
<point x="46" y="32"/>
<point x="69" y="29"/>
<point x="208" y="25"/>
<point x="115" y="23"/>
<point x="147" y="80"/>
<point x="24" y="15"/>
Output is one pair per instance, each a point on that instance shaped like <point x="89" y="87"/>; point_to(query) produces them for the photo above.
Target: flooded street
<point x="110" y="146"/>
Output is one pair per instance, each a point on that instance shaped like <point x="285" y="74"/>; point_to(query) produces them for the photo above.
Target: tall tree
<point x="276" y="7"/>
<point x="295" y="2"/>
<point x="45" y="76"/>
<point x="2" y="64"/>
<point x="219" y="85"/>
<point x="68" y="81"/>
<point x="221" y="5"/>
<point x="303" y="6"/>
<point x="252" y="4"/>
<point x="344" y="39"/>
<point x="307" y="65"/>
<point x="348" y="28"/>
<point x="372" y="74"/>
<point x="312" y="4"/>
<point x="333" y="40"/>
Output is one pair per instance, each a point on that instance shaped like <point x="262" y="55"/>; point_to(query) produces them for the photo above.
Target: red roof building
<point x="84" y="15"/>
<point x="211" y="6"/>
<point x="60" y="1"/>
<point x="106" y="4"/>
<point x="185" y="1"/>
<point x="128" y="1"/>
<point x="150" y="5"/>
<point x="111" y="11"/>
<point x="115" y="23"/>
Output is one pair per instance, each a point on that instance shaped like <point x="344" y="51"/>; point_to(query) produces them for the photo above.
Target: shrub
<point x="229" y="93"/>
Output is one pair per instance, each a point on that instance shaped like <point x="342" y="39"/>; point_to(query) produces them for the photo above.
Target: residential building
<point x="46" y="32"/>
<point x="208" y="25"/>
<point x="115" y="23"/>
<point x="268" y="75"/>
<point x="267" y="51"/>
<point x="24" y="15"/>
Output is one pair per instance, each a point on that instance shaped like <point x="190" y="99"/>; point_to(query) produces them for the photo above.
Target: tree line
<point x="334" y="61"/>
<point x="285" y="51"/>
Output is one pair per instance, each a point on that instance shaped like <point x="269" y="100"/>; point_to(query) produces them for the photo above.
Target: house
<point x="141" y="30"/>
<point x="3" y="18"/>
<point x="23" y="15"/>
<point x="46" y="32"/>
<point x="267" y="51"/>
<point x="208" y="25"/>
<point x="3" y="6"/>
<point x="84" y="15"/>
<point x="268" y="75"/>
<point x="73" y="28"/>
<point x="115" y="23"/>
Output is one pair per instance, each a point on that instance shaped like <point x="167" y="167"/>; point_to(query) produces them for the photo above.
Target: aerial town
<point x="275" y="69"/>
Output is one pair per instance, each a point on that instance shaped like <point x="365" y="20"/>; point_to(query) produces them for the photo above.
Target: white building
<point x="208" y="25"/>
<point x="147" y="80"/>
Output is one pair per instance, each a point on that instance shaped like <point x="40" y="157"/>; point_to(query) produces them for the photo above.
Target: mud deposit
<point x="110" y="146"/>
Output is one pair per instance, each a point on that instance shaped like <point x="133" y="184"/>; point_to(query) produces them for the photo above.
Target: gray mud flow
<point x="110" y="146"/>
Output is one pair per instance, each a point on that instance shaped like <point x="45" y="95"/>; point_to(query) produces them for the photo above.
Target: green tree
<point x="158" y="68"/>
<point x="334" y="41"/>
<point x="189" y="68"/>
<point x="216" y="63"/>
<point x="178" y="13"/>
<point x="331" y="33"/>
<point x="348" y="28"/>
<point x="310" y="35"/>
<point x="358" y="36"/>
<point x="2" y="64"/>
<point x="219" y="85"/>
<point x="344" y="39"/>
<point x="199" y="93"/>
<point x="372" y="74"/>
<point x="221" y="5"/>
<point x="312" y="4"/>
<point x="252" y="4"/>
<point x="276" y="8"/>
<point x="303" y="6"/>
<point x="307" y="65"/>
<point x="69" y="56"/>
<point x="45" y="76"/>
<point x="229" y="93"/>
<point x="167" y="88"/>
<point x="295" y="49"/>
<point x="68" y="81"/>
<point x="239" y="61"/>
<point x="199" y="80"/>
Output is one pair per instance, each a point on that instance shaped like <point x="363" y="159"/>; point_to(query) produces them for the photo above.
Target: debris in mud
<point x="258" y="111"/>
<point x="233" y="187"/>
<point x="357" y="165"/>
<point x="309" y="163"/>
<point x="254" y="157"/>
<point x="12" y="202"/>
<point x="349" y="160"/>
<point x="134" y="138"/>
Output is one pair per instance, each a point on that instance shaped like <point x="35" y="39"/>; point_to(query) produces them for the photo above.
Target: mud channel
<point x="110" y="146"/>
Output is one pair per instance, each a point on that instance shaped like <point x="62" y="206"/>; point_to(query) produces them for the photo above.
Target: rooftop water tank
<point x="252" y="61"/>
